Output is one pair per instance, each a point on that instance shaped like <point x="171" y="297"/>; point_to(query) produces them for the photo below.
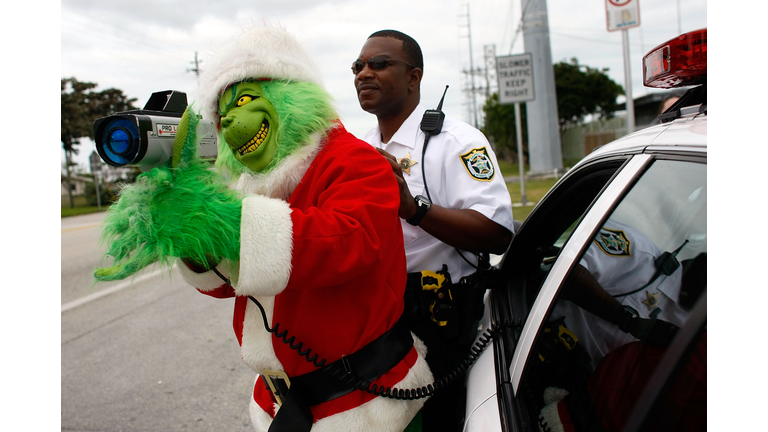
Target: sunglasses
<point x="375" y="63"/>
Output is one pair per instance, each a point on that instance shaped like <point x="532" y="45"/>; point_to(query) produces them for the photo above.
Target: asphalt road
<point x="150" y="354"/>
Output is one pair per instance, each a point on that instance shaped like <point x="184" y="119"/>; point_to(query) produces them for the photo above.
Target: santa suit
<point x="322" y="251"/>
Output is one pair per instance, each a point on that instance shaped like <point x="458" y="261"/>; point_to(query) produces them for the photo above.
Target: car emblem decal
<point x="406" y="163"/>
<point x="478" y="164"/>
<point x="613" y="242"/>
<point x="652" y="301"/>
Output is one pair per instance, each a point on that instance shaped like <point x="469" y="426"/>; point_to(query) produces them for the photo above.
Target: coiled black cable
<point x="283" y="336"/>
<point x="352" y="380"/>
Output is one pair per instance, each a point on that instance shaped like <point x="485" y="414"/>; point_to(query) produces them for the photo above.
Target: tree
<point x="80" y="106"/>
<point x="500" y="127"/>
<point x="582" y="90"/>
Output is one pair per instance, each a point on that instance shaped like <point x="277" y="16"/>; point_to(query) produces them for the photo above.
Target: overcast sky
<point x="143" y="46"/>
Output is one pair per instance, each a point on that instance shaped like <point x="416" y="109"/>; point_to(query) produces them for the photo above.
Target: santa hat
<point x="262" y="53"/>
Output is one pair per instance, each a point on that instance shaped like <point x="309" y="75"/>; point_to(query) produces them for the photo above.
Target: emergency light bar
<point x="679" y="62"/>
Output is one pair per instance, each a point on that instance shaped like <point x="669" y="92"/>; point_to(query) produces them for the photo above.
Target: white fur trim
<point x="209" y="280"/>
<point x="378" y="415"/>
<point x="264" y="52"/>
<point x="266" y="246"/>
<point x="256" y="349"/>
<point x="259" y="418"/>
<point x="552" y="396"/>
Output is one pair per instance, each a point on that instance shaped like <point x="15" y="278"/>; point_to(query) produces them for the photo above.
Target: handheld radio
<point x="431" y="124"/>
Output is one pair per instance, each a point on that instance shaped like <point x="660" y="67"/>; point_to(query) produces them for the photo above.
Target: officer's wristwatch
<point x="627" y="315"/>
<point x="422" y="206"/>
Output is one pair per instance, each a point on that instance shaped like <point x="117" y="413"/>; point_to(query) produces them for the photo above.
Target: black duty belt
<point x="433" y="303"/>
<point x="366" y="364"/>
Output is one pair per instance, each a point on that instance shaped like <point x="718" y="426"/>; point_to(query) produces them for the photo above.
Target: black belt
<point x="366" y="364"/>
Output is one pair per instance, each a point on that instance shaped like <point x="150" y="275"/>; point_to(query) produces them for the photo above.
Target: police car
<point x="600" y="301"/>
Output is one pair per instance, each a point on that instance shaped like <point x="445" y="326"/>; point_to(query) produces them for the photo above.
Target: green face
<point x="249" y="124"/>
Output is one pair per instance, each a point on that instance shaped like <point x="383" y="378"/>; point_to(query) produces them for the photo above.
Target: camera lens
<point x="118" y="141"/>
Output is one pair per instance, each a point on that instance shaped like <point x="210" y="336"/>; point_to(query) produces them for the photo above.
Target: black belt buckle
<point x="278" y="383"/>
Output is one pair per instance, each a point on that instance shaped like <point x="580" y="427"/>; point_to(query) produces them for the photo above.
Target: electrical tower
<point x="489" y="59"/>
<point x="472" y="90"/>
<point x="487" y="73"/>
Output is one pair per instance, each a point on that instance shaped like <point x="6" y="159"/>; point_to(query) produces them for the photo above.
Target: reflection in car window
<point x="621" y="306"/>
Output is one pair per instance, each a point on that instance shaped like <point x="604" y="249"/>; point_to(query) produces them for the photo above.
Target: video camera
<point x="144" y="138"/>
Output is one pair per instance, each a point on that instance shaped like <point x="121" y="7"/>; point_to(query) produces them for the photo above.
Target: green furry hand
<point x="184" y="212"/>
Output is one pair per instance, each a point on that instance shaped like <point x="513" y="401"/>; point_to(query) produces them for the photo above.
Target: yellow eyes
<point x="226" y="106"/>
<point x="245" y="99"/>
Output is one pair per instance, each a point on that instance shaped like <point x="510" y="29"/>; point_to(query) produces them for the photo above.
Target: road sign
<point x="515" y="75"/>
<point x="622" y="14"/>
<point x="95" y="162"/>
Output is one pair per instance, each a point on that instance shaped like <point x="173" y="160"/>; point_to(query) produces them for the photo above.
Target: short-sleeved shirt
<point x="622" y="260"/>
<point x="462" y="173"/>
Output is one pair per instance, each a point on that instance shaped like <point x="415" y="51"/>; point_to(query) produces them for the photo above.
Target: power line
<point x="520" y="25"/>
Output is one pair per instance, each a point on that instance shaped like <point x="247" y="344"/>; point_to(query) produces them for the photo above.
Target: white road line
<point x="105" y="292"/>
<point x="79" y="227"/>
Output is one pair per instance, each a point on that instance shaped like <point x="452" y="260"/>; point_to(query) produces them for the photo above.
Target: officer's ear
<point x="414" y="79"/>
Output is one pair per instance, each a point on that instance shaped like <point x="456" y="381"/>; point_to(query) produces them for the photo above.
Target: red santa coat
<point x="328" y="265"/>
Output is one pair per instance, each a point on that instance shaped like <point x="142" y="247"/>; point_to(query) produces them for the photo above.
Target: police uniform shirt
<point x="621" y="259"/>
<point x="462" y="173"/>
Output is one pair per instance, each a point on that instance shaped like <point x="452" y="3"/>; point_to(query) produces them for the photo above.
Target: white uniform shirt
<point x="457" y="178"/>
<point x="622" y="260"/>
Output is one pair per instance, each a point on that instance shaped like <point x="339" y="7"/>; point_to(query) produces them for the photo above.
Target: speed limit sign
<point x="622" y="14"/>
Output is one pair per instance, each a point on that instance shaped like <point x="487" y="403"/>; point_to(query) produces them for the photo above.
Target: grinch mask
<point x="249" y="124"/>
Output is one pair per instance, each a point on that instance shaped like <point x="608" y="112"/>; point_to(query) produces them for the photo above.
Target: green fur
<point x="184" y="144"/>
<point x="303" y="108"/>
<point x="185" y="212"/>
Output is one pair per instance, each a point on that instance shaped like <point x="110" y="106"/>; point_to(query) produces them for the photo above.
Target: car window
<point x="541" y="238"/>
<point x="621" y="305"/>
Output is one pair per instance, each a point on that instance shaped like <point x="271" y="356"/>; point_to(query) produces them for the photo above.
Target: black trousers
<point x="445" y="410"/>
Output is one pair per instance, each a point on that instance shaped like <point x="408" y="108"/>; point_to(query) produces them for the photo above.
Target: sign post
<point x="623" y="15"/>
<point x="95" y="162"/>
<point x="515" y="75"/>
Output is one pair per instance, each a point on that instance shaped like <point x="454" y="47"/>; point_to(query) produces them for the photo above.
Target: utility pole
<point x="196" y="69"/>
<point x="473" y="110"/>
<point x="544" y="152"/>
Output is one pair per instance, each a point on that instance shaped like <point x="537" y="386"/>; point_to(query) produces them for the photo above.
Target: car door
<point x="616" y="251"/>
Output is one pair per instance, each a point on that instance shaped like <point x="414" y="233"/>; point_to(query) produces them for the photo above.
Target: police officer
<point x="453" y="204"/>
<point x="621" y="292"/>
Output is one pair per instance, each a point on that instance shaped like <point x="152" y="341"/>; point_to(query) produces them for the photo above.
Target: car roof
<point x="688" y="134"/>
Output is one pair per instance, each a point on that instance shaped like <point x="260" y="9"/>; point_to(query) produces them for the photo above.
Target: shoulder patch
<point x="613" y="242"/>
<point x="478" y="164"/>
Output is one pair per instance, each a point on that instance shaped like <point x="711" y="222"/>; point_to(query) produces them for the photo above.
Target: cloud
<point x="143" y="46"/>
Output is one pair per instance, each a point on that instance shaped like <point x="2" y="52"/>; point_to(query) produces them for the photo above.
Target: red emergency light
<point x="679" y="62"/>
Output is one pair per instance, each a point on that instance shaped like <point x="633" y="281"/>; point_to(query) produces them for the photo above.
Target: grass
<point x="76" y="211"/>
<point x="535" y="189"/>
